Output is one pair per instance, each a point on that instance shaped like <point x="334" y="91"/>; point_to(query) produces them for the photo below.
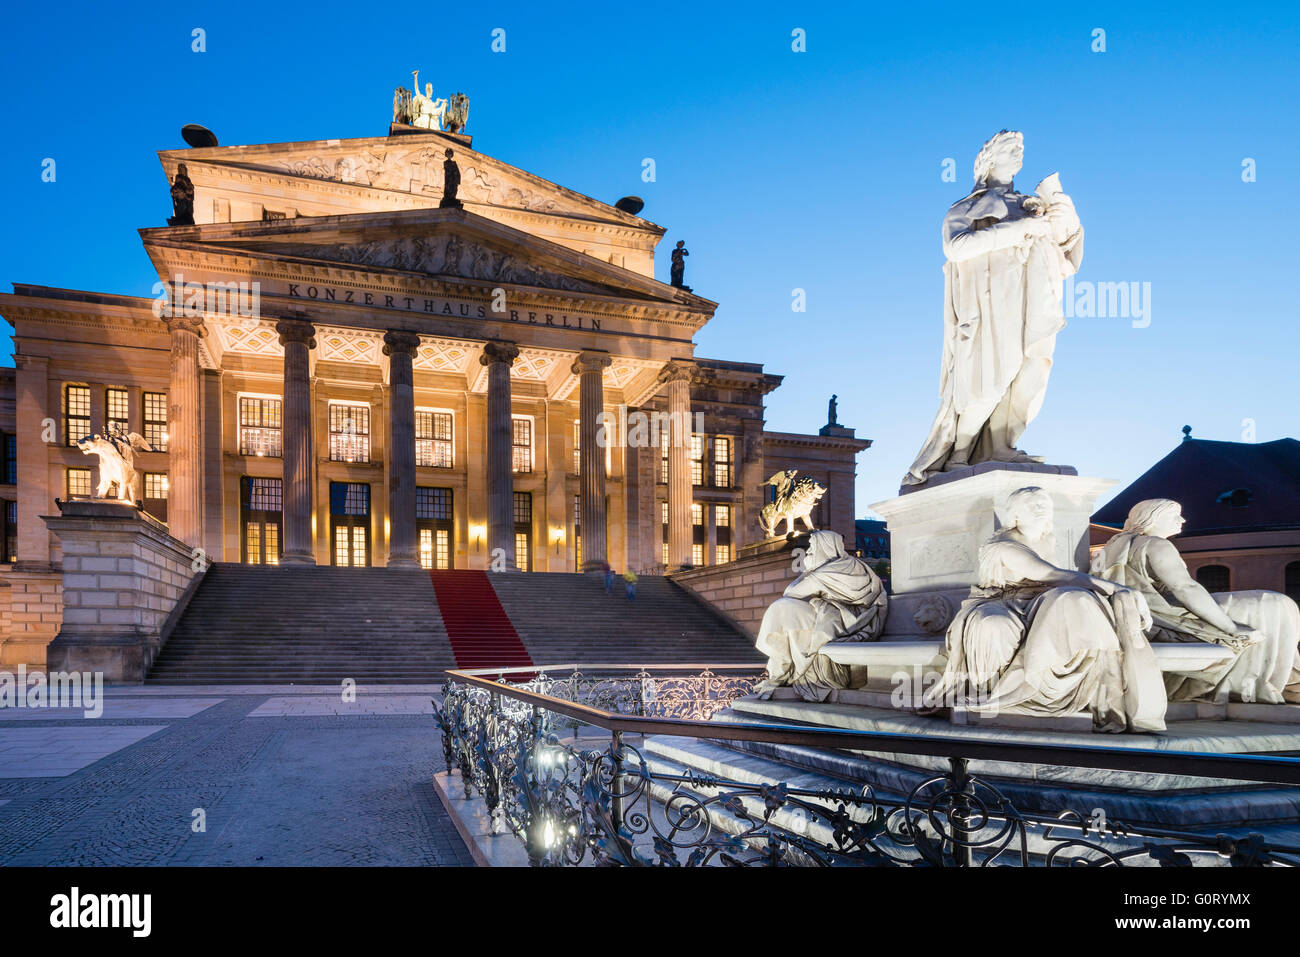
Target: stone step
<point x="1268" y="811"/>
<point x="1210" y="736"/>
<point x="258" y="623"/>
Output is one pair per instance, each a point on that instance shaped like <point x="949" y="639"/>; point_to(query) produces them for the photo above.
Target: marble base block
<point x="1079" y="722"/>
<point x="936" y="530"/>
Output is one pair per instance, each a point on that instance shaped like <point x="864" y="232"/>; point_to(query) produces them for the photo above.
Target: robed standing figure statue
<point x="1007" y="255"/>
<point x="450" y="183"/>
<point x="182" y="199"/>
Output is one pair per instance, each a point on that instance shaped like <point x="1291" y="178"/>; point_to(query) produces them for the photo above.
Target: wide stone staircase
<point x="257" y="624"/>
<point x="566" y="617"/>
<point x="249" y="624"/>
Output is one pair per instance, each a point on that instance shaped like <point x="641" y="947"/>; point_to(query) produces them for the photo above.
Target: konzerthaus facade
<point x="413" y="383"/>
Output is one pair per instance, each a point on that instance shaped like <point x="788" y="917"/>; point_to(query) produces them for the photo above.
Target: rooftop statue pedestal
<point x="936" y="530"/>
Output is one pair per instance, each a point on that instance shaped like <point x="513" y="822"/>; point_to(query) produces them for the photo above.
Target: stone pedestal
<point x="123" y="575"/>
<point x="936" y="530"/>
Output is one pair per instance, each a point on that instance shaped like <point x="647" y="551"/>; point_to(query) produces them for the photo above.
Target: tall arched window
<point x="1292" y="579"/>
<point x="1214" y="577"/>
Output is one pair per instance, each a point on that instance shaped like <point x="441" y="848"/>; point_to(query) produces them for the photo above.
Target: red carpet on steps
<point x="481" y="634"/>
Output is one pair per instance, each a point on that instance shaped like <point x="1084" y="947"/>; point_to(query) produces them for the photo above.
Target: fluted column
<point x="498" y="356"/>
<point x="590" y="369"/>
<point x="298" y="338"/>
<point x="400" y="347"/>
<point x="184" y="438"/>
<point x="677" y="375"/>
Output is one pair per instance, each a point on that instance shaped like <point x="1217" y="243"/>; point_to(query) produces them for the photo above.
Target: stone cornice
<point x="760" y="382"/>
<point x="71" y="306"/>
<point x="799" y="439"/>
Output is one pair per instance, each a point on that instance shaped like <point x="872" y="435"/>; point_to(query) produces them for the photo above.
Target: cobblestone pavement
<point x="281" y="776"/>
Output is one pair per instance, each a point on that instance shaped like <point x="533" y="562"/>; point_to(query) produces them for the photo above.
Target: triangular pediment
<point x="408" y="164"/>
<point x="446" y="244"/>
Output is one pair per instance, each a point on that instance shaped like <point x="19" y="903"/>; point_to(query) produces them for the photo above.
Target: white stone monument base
<point x="1079" y="722"/>
<point x="936" y="530"/>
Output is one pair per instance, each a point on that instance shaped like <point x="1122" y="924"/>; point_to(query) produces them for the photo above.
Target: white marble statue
<point x="426" y="112"/>
<point x="1037" y="639"/>
<point x="116" y="453"/>
<point x="1007" y="256"/>
<point x="794" y="500"/>
<point x="1262" y="627"/>
<point x="836" y="597"/>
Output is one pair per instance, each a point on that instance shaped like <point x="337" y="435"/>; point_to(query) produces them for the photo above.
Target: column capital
<point x="498" y="350"/>
<point x="399" y="340"/>
<point x="590" y="360"/>
<point x="678" y="370"/>
<point x="296" y="330"/>
<point x="192" y="324"/>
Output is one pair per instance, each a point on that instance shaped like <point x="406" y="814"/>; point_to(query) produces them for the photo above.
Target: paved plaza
<point x="278" y="775"/>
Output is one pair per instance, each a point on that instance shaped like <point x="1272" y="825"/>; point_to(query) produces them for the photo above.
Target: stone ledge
<point x="474" y="824"/>
<point x="957" y="475"/>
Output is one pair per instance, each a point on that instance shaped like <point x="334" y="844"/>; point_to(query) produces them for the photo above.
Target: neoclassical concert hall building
<point x="415" y="383"/>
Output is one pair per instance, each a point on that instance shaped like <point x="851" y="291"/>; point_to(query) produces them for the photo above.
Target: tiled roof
<point x="1222" y="486"/>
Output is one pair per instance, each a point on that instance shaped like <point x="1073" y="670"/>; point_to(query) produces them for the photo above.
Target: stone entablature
<point x="453" y="271"/>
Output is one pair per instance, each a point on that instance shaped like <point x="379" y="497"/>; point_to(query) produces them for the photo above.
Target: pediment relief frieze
<point x="445" y="255"/>
<point x="420" y="170"/>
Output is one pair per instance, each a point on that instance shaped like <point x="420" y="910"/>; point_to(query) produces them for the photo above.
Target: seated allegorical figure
<point x="1262" y="627"/>
<point x="836" y="597"/>
<point x="1033" y="638"/>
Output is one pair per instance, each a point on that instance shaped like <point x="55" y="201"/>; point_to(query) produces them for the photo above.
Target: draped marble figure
<point x="1007" y="255"/>
<point x="1262" y="627"/>
<point x="837" y="597"/>
<point x="1036" y="639"/>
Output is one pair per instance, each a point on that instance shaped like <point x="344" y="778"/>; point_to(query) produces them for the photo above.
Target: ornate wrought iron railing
<point x="516" y="745"/>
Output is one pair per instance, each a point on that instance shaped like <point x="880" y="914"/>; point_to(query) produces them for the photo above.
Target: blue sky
<point x="818" y="170"/>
